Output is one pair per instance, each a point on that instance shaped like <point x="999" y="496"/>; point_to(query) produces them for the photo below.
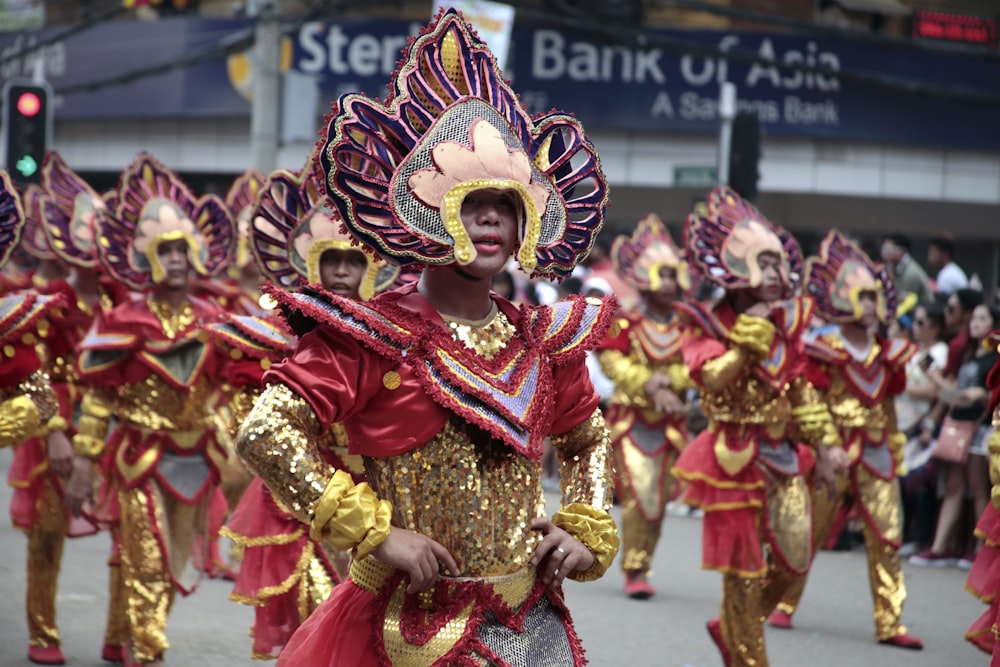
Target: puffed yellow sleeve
<point x="96" y="409"/>
<point x="680" y="378"/>
<point x="629" y="376"/>
<point x="30" y="405"/>
<point x="810" y="417"/>
<point x="586" y="481"/>
<point x="278" y="441"/>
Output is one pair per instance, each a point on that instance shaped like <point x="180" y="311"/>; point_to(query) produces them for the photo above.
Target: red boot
<point x="780" y="619"/>
<point x="715" y="632"/>
<point x="639" y="589"/>
<point x="112" y="653"/>
<point x="46" y="655"/>
<point x="904" y="640"/>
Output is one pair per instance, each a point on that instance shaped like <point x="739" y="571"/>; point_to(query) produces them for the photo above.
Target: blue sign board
<point x="669" y="87"/>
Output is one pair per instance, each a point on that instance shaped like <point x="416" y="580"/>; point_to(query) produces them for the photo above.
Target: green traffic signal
<point x="26" y="166"/>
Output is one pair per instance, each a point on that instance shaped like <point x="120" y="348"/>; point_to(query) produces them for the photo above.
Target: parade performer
<point x="149" y="364"/>
<point x="984" y="577"/>
<point x="859" y="374"/>
<point x="27" y="402"/>
<point x="647" y="414"/>
<point x="285" y="574"/>
<point x="746" y="355"/>
<point x="48" y="496"/>
<point x="447" y="391"/>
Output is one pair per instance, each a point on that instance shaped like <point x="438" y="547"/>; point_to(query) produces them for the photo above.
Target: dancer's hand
<point x="60" y="454"/>
<point x="417" y="555"/>
<point x="667" y="402"/>
<point x="559" y="553"/>
<point x="80" y="487"/>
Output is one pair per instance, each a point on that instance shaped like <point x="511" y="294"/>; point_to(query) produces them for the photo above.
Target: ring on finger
<point x="560" y="550"/>
<point x="556" y="573"/>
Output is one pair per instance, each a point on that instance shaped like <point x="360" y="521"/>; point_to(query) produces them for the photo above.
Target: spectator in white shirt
<point x="941" y="258"/>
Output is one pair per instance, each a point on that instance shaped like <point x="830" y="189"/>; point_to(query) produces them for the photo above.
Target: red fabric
<point x="984" y="582"/>
<point x="339" y="632"/>
<point x="245" y="373"/>
<point x="955" y="348"/>
<point x="24" y="362"/>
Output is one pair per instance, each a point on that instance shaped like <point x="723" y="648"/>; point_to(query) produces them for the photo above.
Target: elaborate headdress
<point x="240" y="200"/>
<point x="639" y="258"/>
<point x="33" y="238"/>
<point x="840" y="273"/>
<point x="70" y="208"/>
<point x="294" y="224"/>
<point x="725" y="240"/>
<point x="155" y="206"/>
<point x="11" y="217"/>
<point x="398" y="171"/>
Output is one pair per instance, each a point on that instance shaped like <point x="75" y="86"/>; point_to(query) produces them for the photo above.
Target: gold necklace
<point x="486" y="337"/>
<point x="172" y="323"/>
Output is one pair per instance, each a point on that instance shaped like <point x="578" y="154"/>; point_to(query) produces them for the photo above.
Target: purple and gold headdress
<point x="11" y="217"/>
<point x="240" y="200"/>
<point x="70" y="209"/>
<point x="33" y="238"/>
<point x="725" y="239"/>
<point x="155" y="206"/>
<point x="398" y="171"/>
<point x="294" y="224"/>
<point x="639" y="258"/>
<point x="840" y="273"/>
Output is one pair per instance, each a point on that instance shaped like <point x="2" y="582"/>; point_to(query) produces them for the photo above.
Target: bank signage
<point x="857" y="91"/>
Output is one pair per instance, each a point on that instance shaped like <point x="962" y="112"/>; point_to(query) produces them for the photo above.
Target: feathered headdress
<point x="398" y="171"/>
<point x="11" y="217"/>
<point x="154" y="206"/>
<point x="725" y="240"/>
<point x="294" y="224"/>
<point x="240" y="200"/>
<point x="70" y="209"/>
<point x="33" y="238"/>
<point x="840" y="273"/>
<point x="639" y="258"/>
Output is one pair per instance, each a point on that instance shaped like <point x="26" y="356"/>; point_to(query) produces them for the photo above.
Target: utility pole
<point x="266" y="67"/>
<point x="727" y="112"/>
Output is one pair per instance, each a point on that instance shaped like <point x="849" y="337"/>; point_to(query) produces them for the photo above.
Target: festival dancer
<point x="647" y="414"/>
<point x="150" y="366"/>
<point x="746" y="355"/>
<point x="27" y="401"/>
<point x="447" y="391"/>
<point x="48" y="496"/>
<point x="859" y="374"/>
<point x="285" y="574"/>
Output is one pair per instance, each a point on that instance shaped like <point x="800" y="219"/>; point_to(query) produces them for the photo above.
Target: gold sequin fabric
<point x="585" y="463"/>
<point x="469" y="492"/>
<point x="850" y="412"/>
<point x="46" y="539"/>
<point x="37" y="388"/>
<point x="747" y="400"/>
<point x="487" y="337"/>
<point x="278" y="440"/>
<point x="156" y="405"/>
<point x="742" y="620"/>
<point x="172" y="322"/>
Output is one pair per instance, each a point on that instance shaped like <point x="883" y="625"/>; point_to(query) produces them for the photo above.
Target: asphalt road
<point x="833" y="626"/>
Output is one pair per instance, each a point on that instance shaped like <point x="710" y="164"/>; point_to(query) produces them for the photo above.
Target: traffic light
<point x="27" y="125"/>
<point x="744" y="155"/>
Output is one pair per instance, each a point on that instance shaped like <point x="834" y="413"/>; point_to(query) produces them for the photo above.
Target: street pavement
<point x="833" y="626"/>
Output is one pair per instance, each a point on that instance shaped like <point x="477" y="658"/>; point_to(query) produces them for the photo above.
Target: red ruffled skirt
<point x="278" y="553"/>
<point x="29" y="474"/>
<point x="984" y="582"/>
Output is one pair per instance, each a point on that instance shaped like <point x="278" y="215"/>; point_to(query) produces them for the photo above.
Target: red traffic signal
<point x="28" y="104"/>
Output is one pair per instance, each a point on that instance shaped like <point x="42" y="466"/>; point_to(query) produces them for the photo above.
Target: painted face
<point x="981" y="323"/>
<point x="771" y="284"/>
<point x="341" y="271"/>
<point x="668" y="290"/>
<point x="490" y="218"/>
<point x="173" y="257"/>
<point x="868" y="304"/>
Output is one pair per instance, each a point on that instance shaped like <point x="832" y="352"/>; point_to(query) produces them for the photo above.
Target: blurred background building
<point x="872" y="115"/>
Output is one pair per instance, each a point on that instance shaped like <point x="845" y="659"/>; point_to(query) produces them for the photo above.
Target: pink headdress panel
<point x="639" y="258"/>
<point x="11" y="217"/>
<point x="294" y="224"/>
<point x="840" y="273"/>
<point x="154" y="206"/>
<point x="70" y="211"/>
<point x="33" y="238"/>
<point x="240" y="200"/>
<point x="725" y="241"/>
<point x="399" y="171"/>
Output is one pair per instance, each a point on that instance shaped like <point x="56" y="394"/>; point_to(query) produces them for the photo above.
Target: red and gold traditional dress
<point x="744" y="469"/>
<point x="153" y="369"/>
<point x="646" y="441"/>
<point x="859" y="386"/>
<point x="449" y="415"/>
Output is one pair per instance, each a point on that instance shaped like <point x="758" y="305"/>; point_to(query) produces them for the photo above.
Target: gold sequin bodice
<point x="850" y="412"/>
<point x="156" y="405"/>
<point x="748" y="400"/>
<point x="470" y="493"/>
